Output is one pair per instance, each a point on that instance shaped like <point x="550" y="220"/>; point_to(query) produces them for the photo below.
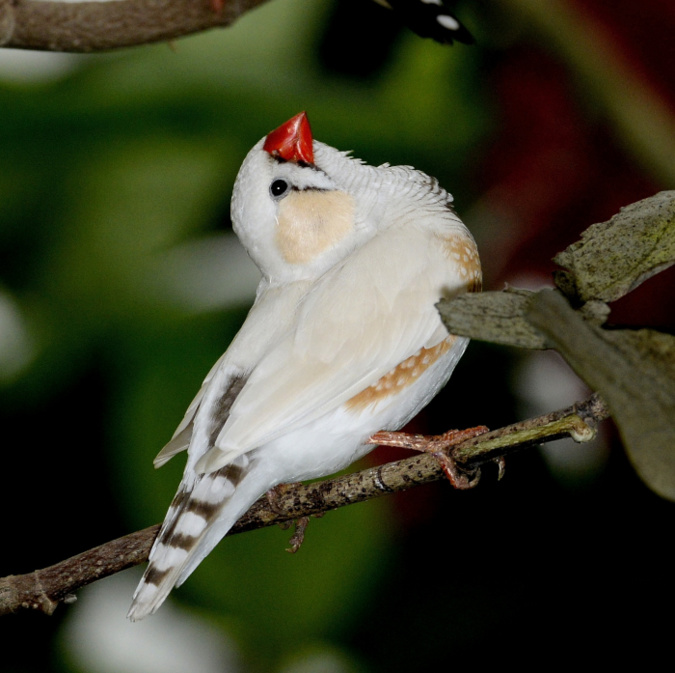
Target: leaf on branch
<point x="498" y="317"/>
<point x="612" y="258"/>
<point x="634" y="373"/>
<point x="633" y="370"/>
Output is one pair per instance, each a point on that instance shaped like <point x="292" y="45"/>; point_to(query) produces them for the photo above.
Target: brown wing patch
<point x="309" y="222"/>
<point x="403" y="375"/>
<point x="222" y="407"/>
<point x="462" y="251"/>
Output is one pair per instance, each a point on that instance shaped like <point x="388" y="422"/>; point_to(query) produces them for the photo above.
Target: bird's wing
<point x="358" y="323"/>
<point x="265" y="324"/>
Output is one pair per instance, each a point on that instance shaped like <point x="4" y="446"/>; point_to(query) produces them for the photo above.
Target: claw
<point x="298" y="536"/>
<point x="273" y="496"/>
<point x="438" y="446"/>
<point x="460" y="478"/>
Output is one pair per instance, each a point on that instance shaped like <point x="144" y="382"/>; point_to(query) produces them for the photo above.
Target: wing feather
<point x="266" y="323"/>
<point x="179" y="442"/>
<point x="357" y="324"/>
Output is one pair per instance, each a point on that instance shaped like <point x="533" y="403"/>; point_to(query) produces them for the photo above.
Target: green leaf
<point x="612" y="258"/>
<point x="635" y="374"/>
<point x="498" y="317"/>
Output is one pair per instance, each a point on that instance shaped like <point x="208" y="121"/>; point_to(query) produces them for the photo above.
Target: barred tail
<point x="202" y="512"/>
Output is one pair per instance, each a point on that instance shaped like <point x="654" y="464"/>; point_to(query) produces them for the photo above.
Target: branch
<point x="44" y="589"/>
<point x="100" y="26"/>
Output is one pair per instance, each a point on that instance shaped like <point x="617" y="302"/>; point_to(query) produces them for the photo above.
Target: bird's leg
<point x="438" y="446"/>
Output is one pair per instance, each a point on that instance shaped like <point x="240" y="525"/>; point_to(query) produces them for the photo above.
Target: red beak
<point x="292" y="141"/>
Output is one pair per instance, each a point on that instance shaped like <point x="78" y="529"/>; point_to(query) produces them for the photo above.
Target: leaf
<point x="612" y="258"/>
<point x="635" y="374"/>
<point x="497" y="317"/>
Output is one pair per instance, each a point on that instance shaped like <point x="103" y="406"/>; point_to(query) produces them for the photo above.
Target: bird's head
<point x="291" y="207"/>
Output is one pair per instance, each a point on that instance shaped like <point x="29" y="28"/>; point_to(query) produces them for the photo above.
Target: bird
<point x="430" y="18"/>
<point x="343" y="340"/>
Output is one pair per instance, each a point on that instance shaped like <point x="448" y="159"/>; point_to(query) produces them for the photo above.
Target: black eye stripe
<point x="280" y="187"/>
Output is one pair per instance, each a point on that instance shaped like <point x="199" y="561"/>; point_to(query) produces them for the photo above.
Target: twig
<point x="44" y="589"/>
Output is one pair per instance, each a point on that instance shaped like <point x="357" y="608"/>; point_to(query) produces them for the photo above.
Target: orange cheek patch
<point x="462" y="251"/>
<point x="402" y="376"/>
<point x="311" y="222"/>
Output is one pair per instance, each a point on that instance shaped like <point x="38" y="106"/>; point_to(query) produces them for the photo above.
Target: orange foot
<point x="438" y="446"/>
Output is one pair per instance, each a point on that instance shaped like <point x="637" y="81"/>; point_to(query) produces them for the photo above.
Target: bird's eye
<point x="278" y="188"/>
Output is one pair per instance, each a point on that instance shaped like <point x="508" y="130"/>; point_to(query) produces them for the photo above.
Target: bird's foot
<point x="439" y="447"/>
<point x="273" y="496"/>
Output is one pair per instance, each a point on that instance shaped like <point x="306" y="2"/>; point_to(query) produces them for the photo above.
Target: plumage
<point x="342" y="341"/>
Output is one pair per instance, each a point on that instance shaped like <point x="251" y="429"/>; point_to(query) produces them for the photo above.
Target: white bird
<point x="343" y="339"/>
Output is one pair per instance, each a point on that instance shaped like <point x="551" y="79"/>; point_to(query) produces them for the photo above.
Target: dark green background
<point x="113" y="170"/>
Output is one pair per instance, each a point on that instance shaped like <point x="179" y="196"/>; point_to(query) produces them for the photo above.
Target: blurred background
<point x="121" y="283"/>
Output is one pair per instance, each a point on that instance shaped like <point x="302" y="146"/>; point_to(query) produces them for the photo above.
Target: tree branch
<point x="100" y="26"/>
<point x="44" y="589"/>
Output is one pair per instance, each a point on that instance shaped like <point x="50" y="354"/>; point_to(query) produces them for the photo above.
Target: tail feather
<point x="202" y="512"/>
